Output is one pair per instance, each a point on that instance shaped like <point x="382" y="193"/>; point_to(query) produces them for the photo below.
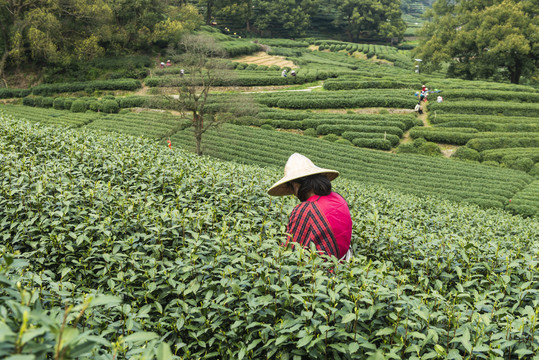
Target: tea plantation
<point x="119" y="247"/>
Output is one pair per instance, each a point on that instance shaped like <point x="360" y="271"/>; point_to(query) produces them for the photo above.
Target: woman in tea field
<point x="322" y="217"/>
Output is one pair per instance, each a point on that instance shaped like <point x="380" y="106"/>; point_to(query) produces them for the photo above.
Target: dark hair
<point x="318" y="183"/>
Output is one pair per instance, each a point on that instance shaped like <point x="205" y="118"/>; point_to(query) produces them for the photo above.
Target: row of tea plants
<point x="120" y="247"/>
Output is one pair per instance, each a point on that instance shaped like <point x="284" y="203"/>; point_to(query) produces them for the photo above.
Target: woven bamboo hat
<point x="296" y="167"/>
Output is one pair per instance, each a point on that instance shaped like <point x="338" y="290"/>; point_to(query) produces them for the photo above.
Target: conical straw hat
<point x="296" y="167"/>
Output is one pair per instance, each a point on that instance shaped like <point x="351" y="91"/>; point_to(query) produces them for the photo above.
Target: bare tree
<point x="204" y="69"/>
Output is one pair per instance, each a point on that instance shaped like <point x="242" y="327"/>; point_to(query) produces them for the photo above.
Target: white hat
<point x="296" y="167"/>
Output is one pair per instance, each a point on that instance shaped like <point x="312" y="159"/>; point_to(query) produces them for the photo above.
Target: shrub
<point x="522" y="164"/>
<point x="383" y="112"/>
<point x="132" y="101"/>
<point x="241" y="66"/>
<point x="379" y="144"/>
<point x="110" y="106"/>
<point x="331" y="137"/>
<point x="29" y="101"/>
<point x="310" y="132"/>
<point x="465" y="153"/>
<point x="534" y="170"/>
<point x="419" y="142"/>
<point x="430" y="149"/>
<point x="124" y="111"/>
<point x="68" y="102"/>
<point x="94" y="105"/>
<point x="267" y="127"/>
<point x="491" y="163"/>
<point x="251" y="67"/>
<point x="78" y="106"/>
<point x="14" y="93"/>
<point x="343" y="141"/>
<point x="38" y="101"/>
<point x="262" y="68"/>
<point x="407" y="148"/>
<point x="58" y="103"/>
<point x="274" y="68"/>
<point x="504" y="142"/>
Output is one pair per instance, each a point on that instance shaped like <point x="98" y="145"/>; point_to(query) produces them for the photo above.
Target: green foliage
<point x="176" y="257"/>
<point x="58" y="103"/>
<point x="410" y="173"/>
<point x="13" y="93"/>
<point x="486" y="108"/>
<point x="351" y="135"/>
<point x="498" y="154"/>
<point x="520" y="163"/>
<point x="465" y="153"/>
<point x="79" y="106"/>
<point x="531" y="141"/>
<point x="310" y="132"/>
<point x="380" y="144"/>
<point x="238" y="47"/>
<point x="331" y="137"/>
<point x="284" y="43"/>
<point x="110" y="106"/>
<point x="267" y="127"/>
<point x="338" y="84"/>
<point x="121" y="84"/>
<point x="335" y="100"/>
<point x="481" y="40"/>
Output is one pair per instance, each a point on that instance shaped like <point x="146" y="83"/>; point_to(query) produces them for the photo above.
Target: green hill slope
<point x="189" y="248"/>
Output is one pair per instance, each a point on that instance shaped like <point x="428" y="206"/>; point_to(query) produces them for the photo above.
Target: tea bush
<point x="486" y="108"/>
<point x="465" y="153"/>
<point x="79" y="106"/>
<point x="411" y="174"/>
<point x="515" y="141"/>
<point x="120" y="84"/>
<point x="180" y="252"/>
<point x="6" y="93"/>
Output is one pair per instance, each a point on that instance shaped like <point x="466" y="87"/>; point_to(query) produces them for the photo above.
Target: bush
<point x="14" y="93"/>
<point x="504" y="142"/>
<point x="94" y="105"/>
<point x="274" y="68"/>
<point x="534" y="170"/>
<point x="68" y="102"/>
<point x="344" y="141"/>
<point x="407" y="148"/>
<point x="491" y="163"/>
<point x="241" y="66"/>
<point x="58" y="103"/>
<point x="29" y="101"/>
<point x="267" y="127"/>
<point x="310" y="132"/>
<point x="78" y="106"/>
<point x="88" y="86"/>
<point x="379" y="144"/>
<point x="110" y="106"/>
<point x="522" y="164"/>
<point x="430" y="149"/>
<point x="251" y="67"/>
<point x="331" y="137"/>
<point x="465" y="153"/>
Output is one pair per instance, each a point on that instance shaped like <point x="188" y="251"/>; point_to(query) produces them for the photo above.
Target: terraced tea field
<point x="159" y="253"/>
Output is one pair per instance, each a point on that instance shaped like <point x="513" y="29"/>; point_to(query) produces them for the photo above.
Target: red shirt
<point x="323" y="220"/>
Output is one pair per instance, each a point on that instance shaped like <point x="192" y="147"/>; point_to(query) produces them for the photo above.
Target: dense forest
<point x="468" y="39"/>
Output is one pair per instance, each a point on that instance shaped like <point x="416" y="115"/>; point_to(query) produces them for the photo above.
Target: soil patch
<point x="448" y="150"/>
<point x="262" y="58"/>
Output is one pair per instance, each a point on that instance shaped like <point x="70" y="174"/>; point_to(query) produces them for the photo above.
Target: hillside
<point x="185" y="251"/>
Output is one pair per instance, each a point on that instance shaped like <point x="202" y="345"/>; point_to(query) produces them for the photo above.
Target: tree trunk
<point x="209" y="6"/>
<point x="3" y="62"/>
<point x="198" y="139"/>
<point x="515" y="73"/>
